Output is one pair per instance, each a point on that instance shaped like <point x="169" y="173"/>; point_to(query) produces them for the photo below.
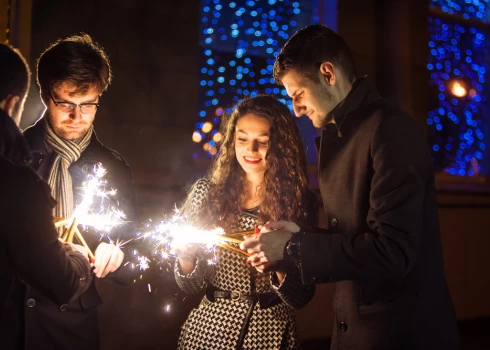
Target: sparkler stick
<point x="229" y="247"/>
<point x="71" y="230"/>
<point x="84" y="243"/>
<point x="240" y="234"/>
<point x="229" y="239"/>
<point x="103" y="219"/>
<point x="60" y="222"/>
<point x="67" y="236"/>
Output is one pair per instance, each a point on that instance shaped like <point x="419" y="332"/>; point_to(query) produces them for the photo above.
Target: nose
<point x="298" y="109"/>
<point x="76" y="113"/>
<point x="254" y="146"/>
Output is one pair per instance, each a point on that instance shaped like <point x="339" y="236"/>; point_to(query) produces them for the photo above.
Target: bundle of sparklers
<point x="176" y="232"/>
<point x="103" y="218"/>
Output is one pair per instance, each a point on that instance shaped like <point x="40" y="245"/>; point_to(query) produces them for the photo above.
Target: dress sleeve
<point x="193" y="282"/>
<point x="292" y="290"/>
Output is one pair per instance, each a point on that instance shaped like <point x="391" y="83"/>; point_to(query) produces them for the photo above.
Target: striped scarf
<point x="66" y="153"/>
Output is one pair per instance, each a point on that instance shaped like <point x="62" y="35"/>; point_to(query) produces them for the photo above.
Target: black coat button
<point x="334" y="222"/>
<point x="343" y="327"/>
<point x="31" y="302"/>
<point x="63" y="307"/>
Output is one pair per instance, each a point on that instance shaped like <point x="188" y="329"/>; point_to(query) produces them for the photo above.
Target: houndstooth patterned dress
<point x="217" y="325"/>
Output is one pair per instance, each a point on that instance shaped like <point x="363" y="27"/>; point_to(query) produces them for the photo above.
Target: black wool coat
<point x="29" y="246"/>
<point x="383" y="246"/>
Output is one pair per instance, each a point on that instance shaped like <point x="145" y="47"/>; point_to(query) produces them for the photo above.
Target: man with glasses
<point x="72" y="74"/>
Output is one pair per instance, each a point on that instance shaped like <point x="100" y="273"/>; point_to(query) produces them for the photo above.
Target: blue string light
<point x="469" y="9"/>
<point x="237" y="52"/>
<point x="459" y="60"/>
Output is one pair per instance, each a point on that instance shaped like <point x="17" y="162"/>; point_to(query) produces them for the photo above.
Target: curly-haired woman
<point x="258" y="175"/>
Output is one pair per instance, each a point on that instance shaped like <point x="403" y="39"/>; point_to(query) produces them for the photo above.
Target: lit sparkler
<point x="103" y="219"/>
<point x="167" y="235"/>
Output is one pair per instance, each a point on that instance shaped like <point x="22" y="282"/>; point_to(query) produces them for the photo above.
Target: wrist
<point x="292" y="250"/>
<point x="186" y="257"/>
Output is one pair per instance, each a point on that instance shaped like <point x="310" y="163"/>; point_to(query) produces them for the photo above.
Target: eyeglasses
<point x="67" y="107"/>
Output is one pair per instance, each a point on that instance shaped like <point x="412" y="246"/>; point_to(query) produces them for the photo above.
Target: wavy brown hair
<point x="285" y="188"/>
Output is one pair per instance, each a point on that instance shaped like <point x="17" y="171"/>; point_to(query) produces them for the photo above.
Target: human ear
<point x="10" y="103"/>
<point x="328" y="73"/>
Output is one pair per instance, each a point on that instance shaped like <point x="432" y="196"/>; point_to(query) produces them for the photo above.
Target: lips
<point x="73" y="127"/>
<point x="251" y="160"/>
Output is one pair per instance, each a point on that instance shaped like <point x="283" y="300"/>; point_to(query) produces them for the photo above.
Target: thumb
<point x="274" y="225"/>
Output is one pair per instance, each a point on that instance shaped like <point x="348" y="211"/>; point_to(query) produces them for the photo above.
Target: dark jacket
<point x="76" y="326"/>
<point x="29" y="246"/>
<point x="383" y="247"/>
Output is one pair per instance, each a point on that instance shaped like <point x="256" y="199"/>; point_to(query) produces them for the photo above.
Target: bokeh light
<point x="239" y="41"/>
<point x="458" y="62"/>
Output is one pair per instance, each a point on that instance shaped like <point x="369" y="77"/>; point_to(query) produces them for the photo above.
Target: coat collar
<point x="362" y="94"/>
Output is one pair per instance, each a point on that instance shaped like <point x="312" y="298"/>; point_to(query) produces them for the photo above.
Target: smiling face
<point x="71" y="125"/>
<point x="252" y="143"/>
<point x="315" y="99"/>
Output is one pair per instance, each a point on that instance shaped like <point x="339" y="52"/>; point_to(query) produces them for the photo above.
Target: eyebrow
<point x="295" y="92"/>
<point x="246" y="133"/>
<point x="59" y="99"/>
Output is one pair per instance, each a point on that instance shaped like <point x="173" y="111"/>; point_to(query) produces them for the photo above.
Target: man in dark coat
<point x="382" y="247"/>
<point x="29" y="245"/>
<point x="72" y="74"/>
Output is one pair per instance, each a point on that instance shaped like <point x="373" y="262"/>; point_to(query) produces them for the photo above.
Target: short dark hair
<point x="77" y="60"/>
<point x="14" y="73"/>
<point x="308" y="48"/>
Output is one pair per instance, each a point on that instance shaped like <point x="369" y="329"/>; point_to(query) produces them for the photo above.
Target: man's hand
<point x="268" y="245"/>
<point x="108" y="258"/>
<point x="76" y="248"/>
<point x="279" y="225"/>
<point x="261" y="267"/>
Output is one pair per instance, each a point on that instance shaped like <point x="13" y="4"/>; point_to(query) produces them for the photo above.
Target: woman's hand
<point x="186" y="253"/>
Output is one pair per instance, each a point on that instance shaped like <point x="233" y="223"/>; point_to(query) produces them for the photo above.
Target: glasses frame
<point x="74" y="105"/>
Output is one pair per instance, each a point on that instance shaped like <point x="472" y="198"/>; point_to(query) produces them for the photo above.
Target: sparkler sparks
<point x="168" y="236"/>
<point x="105" y="217"/>
<point x="143" y="263"/>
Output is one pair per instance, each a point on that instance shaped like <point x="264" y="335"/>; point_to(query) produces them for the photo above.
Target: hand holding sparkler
<point x="268" y="245"/>
<point x="102" y="218"/>
<point x="76" y="248"/>
<point x="108" y="258"/>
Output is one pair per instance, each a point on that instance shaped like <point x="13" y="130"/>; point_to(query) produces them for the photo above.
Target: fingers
<point x="102" y="256"/>
<point x="253" y="260"/>
<point x="108" y="258"/>
<point x="257" y="259"/>
<point x="251" y="243"/>
<point x="114" y="262"/>
<point x="273" y="225"/>
<point x="280" y="225"/>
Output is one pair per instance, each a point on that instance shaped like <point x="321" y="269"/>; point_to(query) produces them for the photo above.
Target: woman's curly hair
<point x="285" y="189"/>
